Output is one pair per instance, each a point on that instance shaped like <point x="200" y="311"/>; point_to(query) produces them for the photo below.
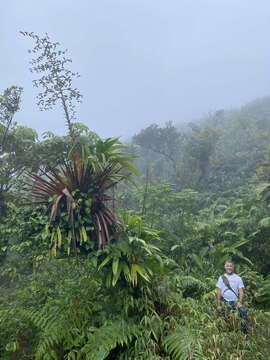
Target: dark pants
<point x="231" y="305"/>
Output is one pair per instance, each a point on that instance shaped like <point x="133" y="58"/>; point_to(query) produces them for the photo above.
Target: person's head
<point x="229" y="266"/>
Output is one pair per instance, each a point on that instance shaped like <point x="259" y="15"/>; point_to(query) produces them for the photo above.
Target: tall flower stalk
<point x="56" y="79"/>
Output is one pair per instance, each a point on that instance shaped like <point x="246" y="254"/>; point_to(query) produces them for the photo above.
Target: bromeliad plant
<point x="76" y="195"/>
<point x="75" y="192"/>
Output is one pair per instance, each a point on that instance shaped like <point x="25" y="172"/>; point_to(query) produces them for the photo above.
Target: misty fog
<point x="142" y="62"/>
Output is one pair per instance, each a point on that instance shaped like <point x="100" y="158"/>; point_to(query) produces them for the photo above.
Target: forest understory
<point x="112" y="251"/>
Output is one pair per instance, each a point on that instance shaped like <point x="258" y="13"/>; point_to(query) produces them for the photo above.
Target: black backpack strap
<point x="226" y="283"/>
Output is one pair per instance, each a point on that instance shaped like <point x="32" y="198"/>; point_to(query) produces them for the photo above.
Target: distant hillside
<point x="218" y="153"/>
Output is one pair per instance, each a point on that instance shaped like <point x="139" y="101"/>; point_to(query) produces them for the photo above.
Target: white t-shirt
<point x="236" y="283"/>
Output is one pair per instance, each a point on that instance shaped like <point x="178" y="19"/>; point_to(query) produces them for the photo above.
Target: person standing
<point x="230" y="293"/>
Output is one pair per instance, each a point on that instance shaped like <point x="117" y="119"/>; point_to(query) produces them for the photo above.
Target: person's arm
<point x="241" y="292"/>
<point x="218" y="299"/>
<point x="241" y="297"/>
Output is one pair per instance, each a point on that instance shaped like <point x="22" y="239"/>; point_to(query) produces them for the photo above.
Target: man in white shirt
<point x="236" y="293"/>
<point x="230" y="292"/>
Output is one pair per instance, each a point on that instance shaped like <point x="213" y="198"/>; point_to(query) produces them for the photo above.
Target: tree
<point x="201" y="146"/>
<point x="166" y="141"/>
<point x="16" y="143"/>
<point x="9" y="105"/>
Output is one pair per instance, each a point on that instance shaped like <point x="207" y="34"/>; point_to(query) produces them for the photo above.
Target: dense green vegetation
<point x="100" y="261"/>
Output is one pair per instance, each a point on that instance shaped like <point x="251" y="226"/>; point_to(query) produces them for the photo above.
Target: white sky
<point x="142" y="61"/>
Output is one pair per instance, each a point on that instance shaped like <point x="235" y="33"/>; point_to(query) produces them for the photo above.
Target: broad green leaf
<point x="115" y="265"/>
<point x="142" y="272"/>
<point x="105" y="261"/>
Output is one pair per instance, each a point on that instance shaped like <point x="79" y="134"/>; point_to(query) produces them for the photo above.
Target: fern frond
<point x="57" y="331"/>
<point x="183" y="344"/>
<point x="101" y="341"/>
